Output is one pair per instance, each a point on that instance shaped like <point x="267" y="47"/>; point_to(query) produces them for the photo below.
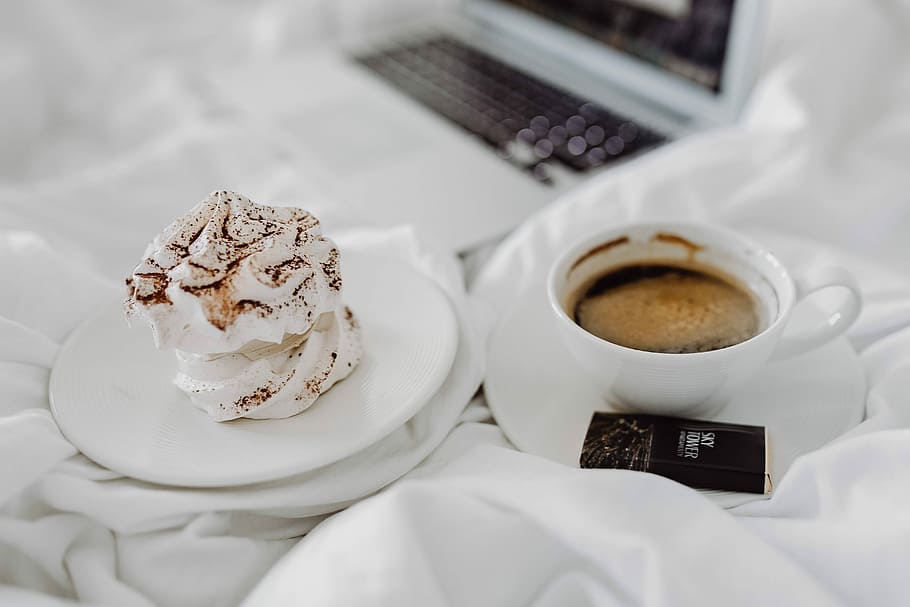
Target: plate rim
<point x="289" y="470"/>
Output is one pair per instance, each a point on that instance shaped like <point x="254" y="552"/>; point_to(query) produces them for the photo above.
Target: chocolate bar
<point x="697" y="453"/>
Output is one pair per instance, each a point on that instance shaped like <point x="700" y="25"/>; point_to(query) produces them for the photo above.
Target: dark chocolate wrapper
<point x="704" y="454"/>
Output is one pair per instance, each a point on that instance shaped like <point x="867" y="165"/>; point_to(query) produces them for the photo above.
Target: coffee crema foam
<point x="659" y="307"/>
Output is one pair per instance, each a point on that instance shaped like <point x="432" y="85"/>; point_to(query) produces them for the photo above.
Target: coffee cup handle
<point x="838" y="321"/>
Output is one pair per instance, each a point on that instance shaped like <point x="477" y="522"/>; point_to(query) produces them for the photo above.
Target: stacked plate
<point x="113" y="396"/>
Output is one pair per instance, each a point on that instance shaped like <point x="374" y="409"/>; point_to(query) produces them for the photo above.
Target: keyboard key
<point x="615" y="145"/>
<point x="594" y="135"/>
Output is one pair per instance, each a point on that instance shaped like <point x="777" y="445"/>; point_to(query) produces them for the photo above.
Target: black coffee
<point x="666" y="308"/>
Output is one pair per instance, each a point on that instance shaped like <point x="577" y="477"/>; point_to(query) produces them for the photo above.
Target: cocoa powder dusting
<point x="282" y="272"/>
<point x="248" y="402"/>
<point x="225" y="235"/>
<point x="330" y="267"/>
<point x="314" y="384"/>
<point x="148" y="289"/>
<point x="349" y="318"/>
<point x="219" y="305"/>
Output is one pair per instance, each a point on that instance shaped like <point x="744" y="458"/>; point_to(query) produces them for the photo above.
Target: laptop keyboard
<point x="526" y="120"/>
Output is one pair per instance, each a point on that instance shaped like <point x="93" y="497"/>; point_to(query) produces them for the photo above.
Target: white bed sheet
<point x="109" y="131"/>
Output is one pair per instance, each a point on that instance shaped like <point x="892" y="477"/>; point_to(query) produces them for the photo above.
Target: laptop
<point x="465" y="121"/>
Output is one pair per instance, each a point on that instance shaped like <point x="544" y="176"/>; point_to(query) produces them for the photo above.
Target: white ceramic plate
<point x="544" y="403"/>
<point x="112" y="394"/>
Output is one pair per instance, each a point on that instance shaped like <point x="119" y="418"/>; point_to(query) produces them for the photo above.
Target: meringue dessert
<point x="249" y="296"/>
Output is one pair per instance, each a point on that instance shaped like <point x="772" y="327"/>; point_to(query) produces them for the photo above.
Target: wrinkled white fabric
<point x="90" y="533"/>
<point x="114" y="120"/>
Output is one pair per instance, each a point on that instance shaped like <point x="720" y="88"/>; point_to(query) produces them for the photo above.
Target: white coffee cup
<point x="700" y="382"/>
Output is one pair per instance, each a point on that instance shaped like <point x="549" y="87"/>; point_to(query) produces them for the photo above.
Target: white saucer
<point x="112" y="394"/>
<point x="543" y="402"/>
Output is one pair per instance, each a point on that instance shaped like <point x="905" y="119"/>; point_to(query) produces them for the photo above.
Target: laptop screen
<point x="685" y="37"/>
